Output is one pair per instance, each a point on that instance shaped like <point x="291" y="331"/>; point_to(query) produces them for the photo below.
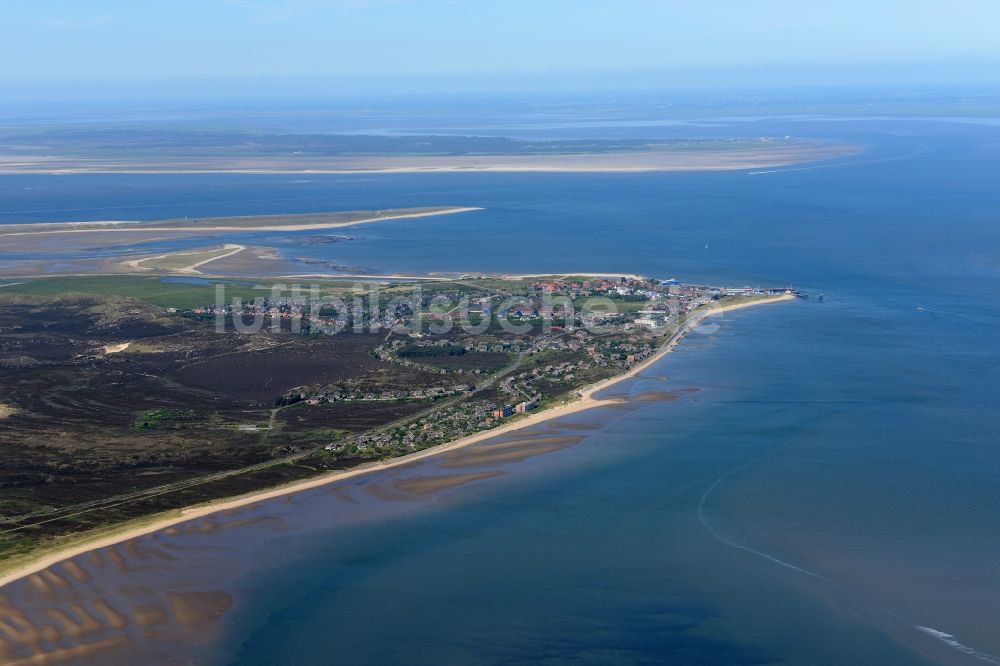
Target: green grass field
<point x="179" y="260"/>
<point x="152" y="289"/>
<point x="141" y="287"/>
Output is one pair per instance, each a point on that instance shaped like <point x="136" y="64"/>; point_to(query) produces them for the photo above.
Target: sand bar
<point x="230" y="224"/>
<point x="757" y="156"/>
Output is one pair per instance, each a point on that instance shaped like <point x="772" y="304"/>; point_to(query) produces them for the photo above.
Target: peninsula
<point x="254" y="223"/>
<point x="132" y="377"/>
<point x="31" y="249"/>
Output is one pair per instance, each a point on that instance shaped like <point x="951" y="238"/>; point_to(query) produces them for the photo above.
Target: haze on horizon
<point x="60" y="49"/>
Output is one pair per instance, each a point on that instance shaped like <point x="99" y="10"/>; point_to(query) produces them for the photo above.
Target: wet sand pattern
<point x="663" y="396"/>
<point x="114" y="603"/>
<point x="432" y="484"/>
<point x="515" y="450"/>
<point x="61" y="616"/>
<point x="138" y="600"/>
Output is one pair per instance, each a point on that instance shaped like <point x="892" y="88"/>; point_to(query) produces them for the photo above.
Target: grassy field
<point x="153" y="290"/>
<point x="180" y="260"/>
<point x="622" y="305"/>
<point x="145" y="288"/>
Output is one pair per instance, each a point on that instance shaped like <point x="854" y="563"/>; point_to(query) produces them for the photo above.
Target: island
<point x="85" y="150"/>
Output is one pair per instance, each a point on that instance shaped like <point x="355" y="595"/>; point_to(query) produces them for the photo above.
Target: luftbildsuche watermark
<point x="365" y="308"/>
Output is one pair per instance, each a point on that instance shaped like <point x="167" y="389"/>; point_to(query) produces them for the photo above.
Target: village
<point x="475" y="303"/>
<point x="526" y="346"/>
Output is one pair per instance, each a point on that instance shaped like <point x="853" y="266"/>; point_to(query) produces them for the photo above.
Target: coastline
<point x="585" y="400"/>
<point x="756" y="157"/>
<point x="437" y="277"/>
<point x="289" y="227"/>
<point x="427" y="169"/>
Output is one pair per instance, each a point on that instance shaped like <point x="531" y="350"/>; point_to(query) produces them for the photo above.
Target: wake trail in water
<point x="976" y="320"/>
<point x="946" y="638"/>
<point x="739" y="546"/>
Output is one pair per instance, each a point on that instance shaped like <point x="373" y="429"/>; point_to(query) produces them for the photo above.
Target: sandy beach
<point x="449" y="278"/>
<point x="108" y="226"/>
<point x="533" y="276"/>
<point x="585" y="400"/>
<point x="751" y="157"/>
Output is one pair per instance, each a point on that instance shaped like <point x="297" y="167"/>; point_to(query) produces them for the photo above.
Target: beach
<point x="117" y="226"/>
<point x="585" y="400"/>
<point x="30" y="248"/>
<point x="756" y="157"/>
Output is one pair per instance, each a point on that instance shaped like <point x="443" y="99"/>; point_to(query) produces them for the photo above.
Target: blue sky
<point x="378" y="44"/>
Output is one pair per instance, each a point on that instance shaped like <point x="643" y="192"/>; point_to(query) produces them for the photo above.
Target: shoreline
<point x="380" y="277"/>
<point x="141" y="226"/>
<point x="584" y="400"/>
<point x="755" y="157"/>
<point x="429" y="169"/>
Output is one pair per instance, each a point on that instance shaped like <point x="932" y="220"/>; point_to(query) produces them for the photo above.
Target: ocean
<point x="814" y="482"/>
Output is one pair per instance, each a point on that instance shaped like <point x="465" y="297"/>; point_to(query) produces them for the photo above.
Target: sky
<point x="363" y="46"/>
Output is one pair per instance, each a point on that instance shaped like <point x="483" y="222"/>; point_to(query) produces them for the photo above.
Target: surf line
<point x="943" y="637"/>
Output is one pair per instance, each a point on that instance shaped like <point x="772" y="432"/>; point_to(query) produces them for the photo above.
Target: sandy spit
<point x="289" y="227"/>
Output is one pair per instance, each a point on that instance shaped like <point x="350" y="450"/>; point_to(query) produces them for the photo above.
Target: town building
<point x="652" y="318"/>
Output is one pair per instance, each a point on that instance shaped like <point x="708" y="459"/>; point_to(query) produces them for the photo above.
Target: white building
<point x="651" y="318"/>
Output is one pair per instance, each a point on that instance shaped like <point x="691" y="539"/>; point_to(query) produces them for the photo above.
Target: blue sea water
<point x="827" y="495"/>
